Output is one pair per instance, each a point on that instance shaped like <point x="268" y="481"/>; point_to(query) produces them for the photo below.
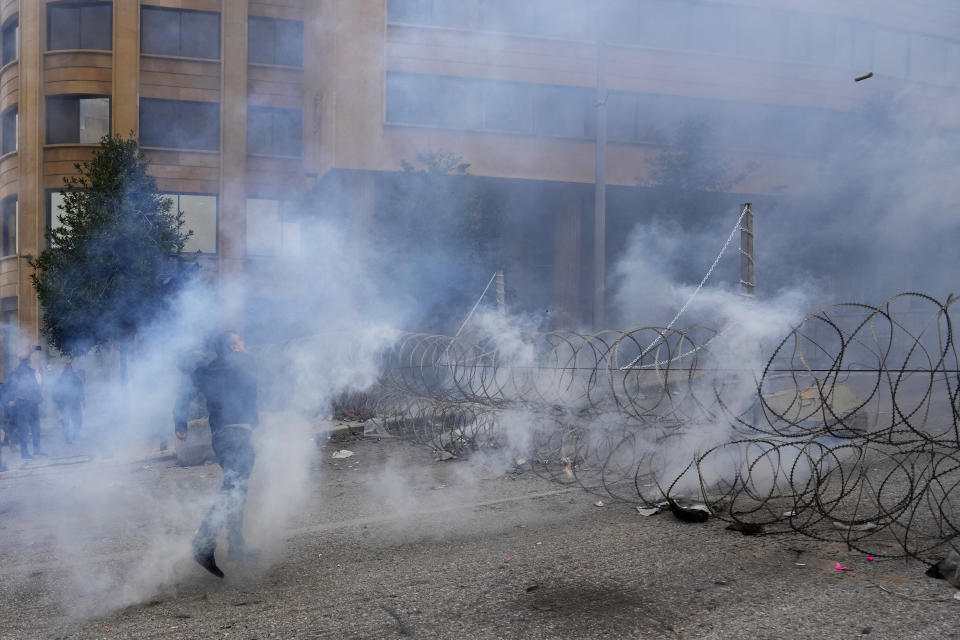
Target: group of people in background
<point x="22" y="396"/>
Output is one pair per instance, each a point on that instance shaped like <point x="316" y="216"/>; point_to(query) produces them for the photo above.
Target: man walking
<point x="229" y="387"/>
<point x="69" y="400"/>
<point x="23" y="402"/>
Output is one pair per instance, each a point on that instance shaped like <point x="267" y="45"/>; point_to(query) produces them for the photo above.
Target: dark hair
<point x="223" y="342"/>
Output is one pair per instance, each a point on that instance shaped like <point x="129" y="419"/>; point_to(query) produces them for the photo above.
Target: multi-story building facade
<point x="243" y="105"/>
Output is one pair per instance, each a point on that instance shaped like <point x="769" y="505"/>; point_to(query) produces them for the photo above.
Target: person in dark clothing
<point x="229" y="387"/>
<point x="23" y="401"/>
<point x="69" y="399"/>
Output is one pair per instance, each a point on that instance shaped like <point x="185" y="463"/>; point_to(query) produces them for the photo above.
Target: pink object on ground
<point x="840" y="567"/>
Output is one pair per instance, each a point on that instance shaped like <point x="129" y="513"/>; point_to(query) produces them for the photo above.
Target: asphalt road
<point x="391" y="544"/>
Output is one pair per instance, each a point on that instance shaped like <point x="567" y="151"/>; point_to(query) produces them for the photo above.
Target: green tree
<point x="113" y="263"/>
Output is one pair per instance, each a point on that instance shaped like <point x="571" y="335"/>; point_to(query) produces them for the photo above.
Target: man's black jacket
<point x="230" y="389"/>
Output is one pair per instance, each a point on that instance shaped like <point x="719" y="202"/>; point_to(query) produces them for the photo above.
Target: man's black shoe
<point x="207" y="561"/>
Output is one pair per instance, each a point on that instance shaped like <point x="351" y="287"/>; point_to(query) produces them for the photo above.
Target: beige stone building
<point x="242" y="105"/>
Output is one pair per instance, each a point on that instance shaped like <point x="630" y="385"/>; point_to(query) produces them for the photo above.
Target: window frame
<point x="78" y="97"/>
<point x="16" y="130"/>
<point x="275" y="23"/>
<point x="179" y="134"/>
<point x="216" y="218"/>
<point x="274" y="138"/>
<point x="4" y="228"/>
<point x="146" y="9"/>
<point x="14" y="21"/>
<point x="79" y="6"/>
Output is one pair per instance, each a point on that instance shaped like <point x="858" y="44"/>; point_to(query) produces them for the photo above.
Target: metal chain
<point x="686" y="304"/>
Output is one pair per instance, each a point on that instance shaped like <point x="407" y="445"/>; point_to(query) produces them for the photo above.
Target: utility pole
<point x="747" y="276"/>
<point x="501" y="293"/>
<point x="600" y="180"/>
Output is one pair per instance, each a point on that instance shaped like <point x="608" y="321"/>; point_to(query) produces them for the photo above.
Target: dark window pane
<point x="156" y="123"/>
<point x="10" y="34"/>
<point x="199" y="124"/>
<point x="261" y="40"/>
<point x="413" y="11"/>
<point x="63" y="119"/>
<point x="562" y="111"/>
<point x="287" y="132"/>
<point x="713" y="28"/>
<point x="403" y="95"/>
<point x="507" y="107"/>
<point x="179" y="125"/>
<point x="274" y="131"/>
<point x="457" y="102"/>
<point x="96" y="27"/>
<point x="289" y="43"/>
<point x="63" y="27"/>
<point x="159" y="31"/>
<point x="259" y="124"/>
<point x="9" y="207"/>
<point x="9" y="130"/>
<point x="622" y="117"/>
<point x="77" y="119"/>
<point x="764" y="34"/>
<point x="200" y="34"/>
<point x="80" y="26"/>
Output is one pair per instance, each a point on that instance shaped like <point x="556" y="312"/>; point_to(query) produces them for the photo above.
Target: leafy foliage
<point x="113" y="262"/>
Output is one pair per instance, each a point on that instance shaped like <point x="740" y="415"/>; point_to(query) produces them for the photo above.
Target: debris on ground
<point x="648" y="511"/>
<point x="343" y="453"/>
<point x="947" y="569"/>
<point x="746" y="528"/>
<point x="599" y="503"/>
<point x="371" y="429"/>
<point x="533" y="586"/>
<point x="696" y="512"/>
<point x="440" y="455"/>
<point x="840" y="567"/>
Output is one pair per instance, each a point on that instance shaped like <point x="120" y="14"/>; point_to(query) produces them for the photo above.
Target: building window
<point x="199" y="216"/>
<point x="508" y="107"/>
<point x="177" y="124"/>
<point x="276" y="132"/>
<point x="80" y="25"/>
<point x="77" y="119"/>
<point x="10" y="40"/>
<point x="272" y="41"/>
<point x="11" y="120"/>
<point x="440" y="101"/>
<point x="486" y="105"/>
<point x="9" y="213"/>
<point x="54" y="209"/>
<point x="564" y="112"/>
<point x="553" y="18"/>
<point x="272" y="229"/>
<point x="180" y="32"/>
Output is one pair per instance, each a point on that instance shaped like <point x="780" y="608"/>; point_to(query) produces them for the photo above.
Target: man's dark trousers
<point x="231" y="444"/>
